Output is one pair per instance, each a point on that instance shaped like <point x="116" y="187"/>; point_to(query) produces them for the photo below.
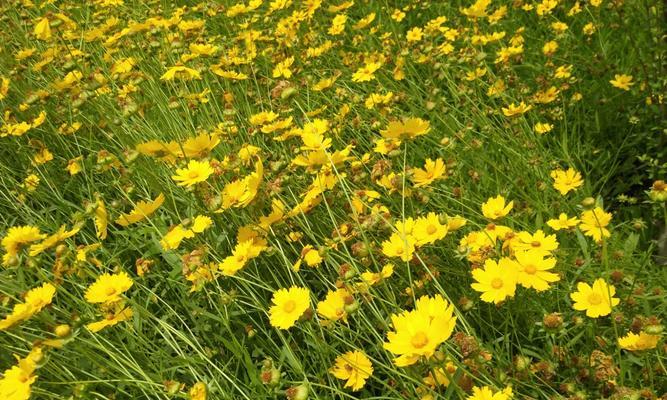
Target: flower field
<point x="308" y="199"/>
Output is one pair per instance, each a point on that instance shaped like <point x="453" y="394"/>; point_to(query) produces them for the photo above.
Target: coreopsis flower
<point x="596" y="300"/>
<point x="53" y="240"/>
<point x="242" y="253"/>
<point x="17" y="380"/>
<point x="372" y="278"/>
<point x="108" y="288"/>
<point x="514" y="110"/>
<point x="638" y="342"/>
<point x="658" y="192"/>
<point x="622" y="81"/>
<point x="17" y="237"/>
<point x="433" y="170"/>
<point x="196" y="172"/>
<point x="533" y="269"/>
<point x="241" y="192"/>
<point x="428" y="229"/>
<point x="419" y="332"/>
<point x="101" y="219"/>
<point x="201" y="145"/>
<point x="35" y="300"/>
<point x="497" y="280"/>
<point x="565" y="181"/>
<point x="4" y="87"/>
<point x="537" y="241"/>
<point x="283" y="68"/>
<point x="141" y="211"/>
<point x="414" y="35"/>
<point x="111" y="319"/>
<point x="486" y="393"/>
<point x="180" y="72"/>
<point x="198" y="391"/>
<point x="333" y="306"/>
<point x="495" y="208"/>
<point x="42" y="29"/>
<point x="543" y="127"/>
<point x="563" y="222"/>
<point x="175" y="236"/>
<point x="594" y="223"/>
<point x="227" y="74"/>
<point x="477" y="9"/>
<point x="399" y="245"/>
<point x="354" y="367"/>
<point x="366" y="73"/>
<point x="406" y="129"/>
<point x="288" y="306"/>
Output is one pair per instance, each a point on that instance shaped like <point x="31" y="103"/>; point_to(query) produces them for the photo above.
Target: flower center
<point x="399" y="250"/>
<point x="536" y="244"/>
<point x="431" y="229"/>
<point x="419" y="340"/>
<point x="497" y="283"/>
<point x="529" y="269"/>
<point x="193" y="174"/>
<point x="110" y="291"/>
<point x="594" y="299"/>
<point x="289" y="306"/>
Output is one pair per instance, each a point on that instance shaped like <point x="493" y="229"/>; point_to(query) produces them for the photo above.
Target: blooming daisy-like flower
<point x="196" y="172"/>
<point x="108" y="288"/>
<point x="497" y="280"/>
<point x="534" y="270"/>
<point x="433" y="170"/>
<point x="486" y="393"/>
<point x="333" y="306"/>
<point x="353" y="366"/>
<point x="563" y="222"/>
<point x="18" y="236"/>
<point x="634" y="342"/>
<point x="406" y="129"/>
<point x="597" y="300"/>
<point x="594" y="223"/>
<point x="565" y="181"/>
<point x="110" y="320"/>
<point x="495" y="208"/>
<point x="35" y="300"/>
<point x="141" y="211"/>
<point x="399" y="245"/>
<point x="428" y="229"/>
<point x="514" y="110"/>
<point x="288" y="306"/>
<point x="419" y="332"/>
<point x="536" y="241"/>
<point x="622" y="81"/>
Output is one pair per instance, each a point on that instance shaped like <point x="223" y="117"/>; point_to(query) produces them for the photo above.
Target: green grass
<point x="221" y="334"/>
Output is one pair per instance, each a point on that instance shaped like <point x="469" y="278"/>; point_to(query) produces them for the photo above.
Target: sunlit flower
<point x="594" y="223"/>
<point x="565" y="181"/>
<point x="196" y="172"/>
<point x="354" y="367"/>
<point x="497" y="280"/>
<point x="288" y="306"/>
<point x="108" y="288"/>
<point x="596" y="300"/>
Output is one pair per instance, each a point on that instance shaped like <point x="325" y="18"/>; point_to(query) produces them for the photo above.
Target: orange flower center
<point x="399" y="250"/>
<point x="110" y="291"/>
<point x="431" y="229"/>
<point x="419" y="340"/>
<point x="193" y="174"/>
<point x="536" y="244"/>
<point x="289" y="306"/>
<point x="529" y="269"/>
<point x="594" y="299"/>
<point x="497" y="283"/>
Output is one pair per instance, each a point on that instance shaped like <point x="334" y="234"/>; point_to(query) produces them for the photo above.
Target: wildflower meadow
<point x="310" y="199"/>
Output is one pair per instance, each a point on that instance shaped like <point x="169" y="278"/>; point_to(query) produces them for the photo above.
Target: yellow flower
<point x="333" y="306"/>
<point x="241" y="192"/>
<point x="288" y="306"/>
<point x="101" y="219"/>
<point x="535" y="242"/>
<point x="597" y="300"/>
<point x="414" y="35"/>
<point x="565" y="181"/>
<point x="485" y="393"/>
<point x="181" y="73"/>
<point x="201" y="145"/>
<point x="399" y="245"/>
<point x="428" y="229"/>
<point x="201" y="223"/>
<point x="533" y="270"/>
<point x="366" y="73"/>
<point x="476" y="10"/>
<point x="594" y="223"/>
<point x="497" y="280"/>
<point x="16" y="381"/>
<point x="244" y="251"/>
<point x="18" y="236"/>
<point x="371" y="278"/>
<point x="141" y="211"/>
<point x="108" y="288"/>
<point x="353" y="366"/>
<point x="196" y="172"/>
<point x="432" y="171"/>
<point x="175" y="236"/>
<point x="53" y="240"/>
<point x="543" y="127"/>
<point x="495" y="208"/>
<point x="198" y="391"/>
<point x="419" y="332"/>
<point x="406" y="129"/>
<point x="43" y="29"/>
<point x="282" y="69"/>
<point x="110" y="320"/>
<point x="622" y="81"/>
<point x="563" y="222"/>
<point x="35" y="300"/>
<point x="514" y="110"/>
<point x="634" y="342"/>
